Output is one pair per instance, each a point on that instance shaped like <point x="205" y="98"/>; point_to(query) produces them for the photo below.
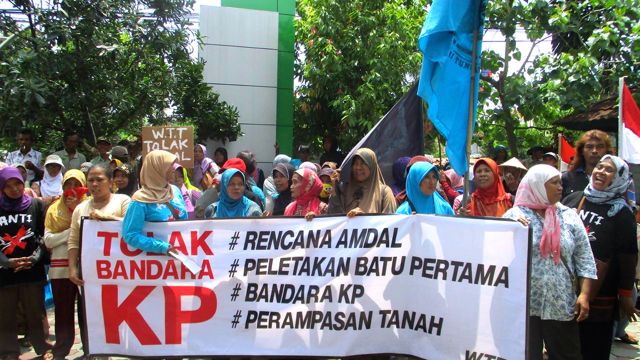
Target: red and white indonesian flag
<point x="567" y="152"/>
<point x="630" y="127"/>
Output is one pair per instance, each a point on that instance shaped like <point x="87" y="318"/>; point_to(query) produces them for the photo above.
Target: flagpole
<point x="560" y="151"/>
<point x="620" y="130"/>
<point x="474" y="54"/>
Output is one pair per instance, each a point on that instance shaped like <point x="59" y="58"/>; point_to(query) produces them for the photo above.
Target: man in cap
<point x="120" y="153"/>
<point x="550" y="158"/>
<point x="104" y="146"/>
<point x="536" y="156"/>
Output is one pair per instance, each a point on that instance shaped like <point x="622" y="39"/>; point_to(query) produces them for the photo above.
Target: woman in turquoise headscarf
<point x="232" y="201"/>
<point x="422" y="197"/>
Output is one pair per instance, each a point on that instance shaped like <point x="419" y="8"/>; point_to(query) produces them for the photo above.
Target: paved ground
<point x="620" y="350"/>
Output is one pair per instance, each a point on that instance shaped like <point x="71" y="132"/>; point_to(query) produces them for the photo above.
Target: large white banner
<point x="435" y="287"/>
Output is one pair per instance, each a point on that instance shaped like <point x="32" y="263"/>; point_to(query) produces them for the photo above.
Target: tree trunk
<point x="511" y="137"/>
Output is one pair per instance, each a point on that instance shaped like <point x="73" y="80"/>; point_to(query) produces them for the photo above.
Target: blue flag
<point x="446" y="42"/>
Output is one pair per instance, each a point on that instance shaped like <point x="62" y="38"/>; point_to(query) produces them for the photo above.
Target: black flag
<point x="399" y="133"/>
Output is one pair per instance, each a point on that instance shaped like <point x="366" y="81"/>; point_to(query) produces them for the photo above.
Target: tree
<point x="360" y="56"/>
<point x="354" y="60"/>
<point x="594" y="43"/>
<point x="106" y="67"/>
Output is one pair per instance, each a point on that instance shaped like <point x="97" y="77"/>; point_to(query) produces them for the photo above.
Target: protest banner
<point x="435" y="287"/>
<point x="177" y="140"/>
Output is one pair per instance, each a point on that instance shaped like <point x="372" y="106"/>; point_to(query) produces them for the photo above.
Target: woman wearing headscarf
<point x="402" y="195"/>
<point x="282" y="177"/>
<point x="305" y="188"/>
<point x="126" y="179"/>
<point x="232" y="202"/>
<point x="309" y="165"/>
<point x="220" y="156"/>
<point x="325" y="177"/>
<point x="611" y="228"/>
<point x="22" y="272"/>
<point x="366" y="192"/>
<point x="190" y="193"/>
<point x="500" y="154"/>
<point x="57" y="226"/>
<point x="490" y="199"/>
<point x="560" y="249"/>
<point x="398" y="171"/>
<point x="269" y="187"/>
<point x="51" y="184"/>
<point x="23" y="171"/>
<point x="201" y="164"/>
<point x="422" y="197"/>
<point x="452" y="184"/>
<point x="157" y="200"/>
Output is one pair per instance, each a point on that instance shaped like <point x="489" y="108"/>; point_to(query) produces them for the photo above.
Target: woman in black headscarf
<point x="282" y="177"/>
<point x="126" y="179"/>
<point x="220" y="156"/>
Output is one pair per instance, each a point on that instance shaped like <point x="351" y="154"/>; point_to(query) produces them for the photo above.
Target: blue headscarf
<point x="227" y="207"/>
<point x="424" y="204"/>
<point x="614" y="193"/>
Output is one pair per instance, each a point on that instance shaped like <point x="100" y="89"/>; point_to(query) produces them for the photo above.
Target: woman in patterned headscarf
<point x="611" y="226"/>
<point x="560" y="249"/>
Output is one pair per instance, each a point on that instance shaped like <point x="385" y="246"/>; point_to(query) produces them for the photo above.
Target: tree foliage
<point x="354" y="59"/>
<point x="595" y="42"/>
<point x="106" y="67"/>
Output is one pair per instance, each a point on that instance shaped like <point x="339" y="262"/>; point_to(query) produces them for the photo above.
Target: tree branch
<point x="526" y="127"/>
<point x="535" y="43"/>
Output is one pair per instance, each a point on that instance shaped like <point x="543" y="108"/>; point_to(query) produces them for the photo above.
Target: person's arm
<point x="94" y="152"/>
<point x="74" y="248"/>
<point x="4" y="261"/>
<point x="52" y="239"/>
<point x="132" y="230"/>
<point x="451" y="194"/>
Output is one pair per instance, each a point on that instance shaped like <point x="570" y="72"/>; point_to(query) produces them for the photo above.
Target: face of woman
<point x="120" y="179"/>
<point x="483" y="176"/>
<point x="296" y="186"/>
<point x="603" y="175"/>
<point x="53" y="169"/>
<point x="98" y="183"/>
<point x="280" y="181"/>
<point x="13" y="188"/>
<point x="360" y="169"/>
<point x="235" y="189"/>
<point x="429" y="183"/>
<point x="23" y="172"/>
<point x="178" y="179"/>
<point x="170" y="174"/>
<point x="554" y="189"/>
<point x="218" y="157"/>
<point x="198" y="154"/>
<point x="501" y="155"/>
<point x="71" y="183"/>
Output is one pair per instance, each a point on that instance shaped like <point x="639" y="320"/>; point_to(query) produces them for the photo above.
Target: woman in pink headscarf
<point x="306" y="187"/>
<point x="560" y="252"/>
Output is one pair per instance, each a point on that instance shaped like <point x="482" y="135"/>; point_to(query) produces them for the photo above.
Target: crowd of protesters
<point x="585" y="242"/>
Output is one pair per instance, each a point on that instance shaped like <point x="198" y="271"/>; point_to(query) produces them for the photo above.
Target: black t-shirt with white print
<point x="608" y="236"/>
<point x="20" y="236"/>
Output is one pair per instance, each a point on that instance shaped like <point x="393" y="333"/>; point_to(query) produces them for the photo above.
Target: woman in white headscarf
<point x="611" y="228"/>
<point x="560" y="250"/>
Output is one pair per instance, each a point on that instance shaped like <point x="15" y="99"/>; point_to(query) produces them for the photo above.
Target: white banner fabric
<point x="435" y="287"/>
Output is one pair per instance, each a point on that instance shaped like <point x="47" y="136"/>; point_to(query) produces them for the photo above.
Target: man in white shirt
<point x="31" y="159"/>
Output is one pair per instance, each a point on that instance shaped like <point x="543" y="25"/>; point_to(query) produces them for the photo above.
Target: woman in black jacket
<point x="22" y="258"/>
